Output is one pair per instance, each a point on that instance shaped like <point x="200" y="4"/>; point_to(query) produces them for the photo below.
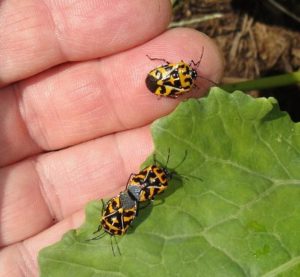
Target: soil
<point x="258" y="38"/>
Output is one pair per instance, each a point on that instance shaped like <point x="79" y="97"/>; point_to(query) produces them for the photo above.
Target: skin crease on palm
<point x="75" y="111"/>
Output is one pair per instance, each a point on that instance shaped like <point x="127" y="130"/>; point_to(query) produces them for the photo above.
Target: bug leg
<point x="97" y="237"/>
<point x="112" y="247"/>
<point x="116" y="243"/>
<point x="100" y="226"/>
<point x="159" y="202"/>
<point x="157" y="59"/>
<point x="98" y="229"/>
<point x="143" y="207"/>
<point x="206" y="79"/>
<point x="173" y="96"/>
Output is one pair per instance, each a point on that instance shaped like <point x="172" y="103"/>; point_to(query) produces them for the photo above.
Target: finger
<point x="54" y="185"/>
<point x="79" y="102"/>
<point x="36" y="35"/>
<point x="20" y="259"/>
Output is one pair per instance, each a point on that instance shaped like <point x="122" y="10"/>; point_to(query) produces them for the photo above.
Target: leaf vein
<point x="218" y="160"/>
<point x="85" y="266"/>
<point x="283" y="267"/>
<point x="273" y="152"/>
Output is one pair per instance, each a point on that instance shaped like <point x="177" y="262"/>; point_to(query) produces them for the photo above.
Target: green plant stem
<point x="265" y="83"/>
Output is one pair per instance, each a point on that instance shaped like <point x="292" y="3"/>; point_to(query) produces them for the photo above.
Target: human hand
<point x="75" y="110"/>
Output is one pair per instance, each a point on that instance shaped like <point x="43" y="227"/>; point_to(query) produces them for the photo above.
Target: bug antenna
<point x="184" y="157"/>
<point x="130" y="177"/>
<point x="202" y="52"/>
<point x="198" y="63"/>
<point x="103" y="204"/>
<point x="154" y="159"/>
<point x="168" y="158"/>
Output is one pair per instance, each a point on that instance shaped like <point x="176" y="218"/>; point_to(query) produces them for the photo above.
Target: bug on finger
<point x="173" y="79"/>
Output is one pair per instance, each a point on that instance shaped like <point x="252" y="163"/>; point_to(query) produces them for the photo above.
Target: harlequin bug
<point x="150" y="181"/>
<point x="173" y="79"/>
<point x="117" y="215"/>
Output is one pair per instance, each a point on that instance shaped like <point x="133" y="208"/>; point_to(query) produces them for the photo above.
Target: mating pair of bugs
<point x="173" y="79"/>
<point x="170" y="80"/>
<point x="119" y="212"/>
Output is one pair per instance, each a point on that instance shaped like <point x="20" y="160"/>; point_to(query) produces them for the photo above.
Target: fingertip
<point x="186" y="44"/>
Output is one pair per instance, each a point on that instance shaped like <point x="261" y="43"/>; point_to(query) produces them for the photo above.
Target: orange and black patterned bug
<point x="150" y="181"/>
<point x="117" y="215"/>
<point x="173" y="79"/>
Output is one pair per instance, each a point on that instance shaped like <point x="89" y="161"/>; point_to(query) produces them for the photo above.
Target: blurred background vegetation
<point x="258" y="38"/>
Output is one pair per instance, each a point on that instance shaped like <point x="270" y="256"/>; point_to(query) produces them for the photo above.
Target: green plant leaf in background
<point x="237" y="213"/>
